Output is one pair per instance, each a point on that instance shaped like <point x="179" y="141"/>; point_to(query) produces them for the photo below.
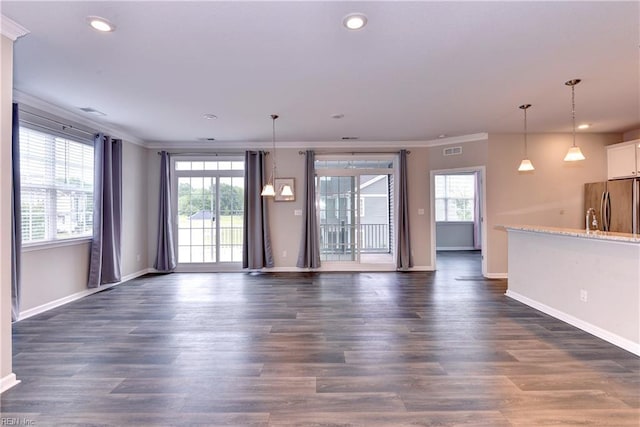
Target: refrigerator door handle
<point x="636" y="206"/>
<point x="608" y="209"/>
<point x="603" y="211"/>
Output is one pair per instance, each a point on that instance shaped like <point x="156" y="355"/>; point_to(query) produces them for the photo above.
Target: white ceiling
<point x="416" y="71"/>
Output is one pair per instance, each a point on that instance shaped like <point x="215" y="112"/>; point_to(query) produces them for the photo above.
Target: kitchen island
<point x="590" y="280"/>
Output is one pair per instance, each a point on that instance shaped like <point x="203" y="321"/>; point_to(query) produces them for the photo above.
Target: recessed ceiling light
<point x="354" y="21"/>
<point x="442" y="136"/>
<point x="210" y="116"/>
<point x="100" y="24"/>
<point x="584" y="126"/>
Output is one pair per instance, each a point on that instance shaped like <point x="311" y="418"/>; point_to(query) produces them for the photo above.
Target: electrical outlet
<point x="583" y="295"/>
<point x="138" y="257"/>
<point x="284" y="254"/>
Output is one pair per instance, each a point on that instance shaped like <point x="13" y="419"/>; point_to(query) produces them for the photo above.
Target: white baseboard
<point x="76" y="296"/>
<point x="8" y="381"/>
<point x="496" y="276"/>
<point x="362" y="268"/>
<point x="608" y="336"/>
<point x="422" y="268"/>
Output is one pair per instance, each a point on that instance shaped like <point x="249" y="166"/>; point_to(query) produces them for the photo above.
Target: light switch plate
<point x="297" y="212"/>
<point x="420" y="211"/>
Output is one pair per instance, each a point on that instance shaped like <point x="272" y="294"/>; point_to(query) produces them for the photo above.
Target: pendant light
<point x="574" y="154"/>
<point x="268" y="190"/>
<point x="525" y="165"/>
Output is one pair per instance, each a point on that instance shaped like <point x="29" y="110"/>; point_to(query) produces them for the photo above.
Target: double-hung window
<point x="455" y="197"/>
<point x="56" y="187"/>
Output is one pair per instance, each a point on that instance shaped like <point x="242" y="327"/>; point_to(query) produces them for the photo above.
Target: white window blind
<point x="56" y="187"/>
<point x="455" y="197"/>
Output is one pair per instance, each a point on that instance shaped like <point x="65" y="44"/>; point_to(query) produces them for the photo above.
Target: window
<point x="56" y="187"/>
<point x="455" y="197"/>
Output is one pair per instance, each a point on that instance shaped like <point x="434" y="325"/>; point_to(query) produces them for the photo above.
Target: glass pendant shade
<point x="286" y="191"/>
<point x="268" y="191"/>
<point x="526" y="166"/>
<point x="574" y="154"/>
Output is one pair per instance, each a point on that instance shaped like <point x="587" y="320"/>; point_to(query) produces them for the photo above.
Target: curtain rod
<point x="65" y="126"/>
<point x="205" y="154"/>
<point x="353" y="153"/>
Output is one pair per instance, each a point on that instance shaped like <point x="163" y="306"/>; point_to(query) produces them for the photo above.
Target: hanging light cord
<point x="526" y="156"/>
<point x="273" y="138"/>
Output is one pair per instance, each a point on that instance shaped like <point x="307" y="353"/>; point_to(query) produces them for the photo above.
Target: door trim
<point x="483" y="209"/>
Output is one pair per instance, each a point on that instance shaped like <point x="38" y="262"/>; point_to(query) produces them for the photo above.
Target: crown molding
<point x="349" y="145"/>
<point x="11" y="29"/>
<point x="45" y="106"/>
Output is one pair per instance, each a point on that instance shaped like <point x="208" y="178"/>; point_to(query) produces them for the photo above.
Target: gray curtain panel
<point x="104" y="263"/>
<point x="404" y="260"/>
<point x="165" y="252"/>
<point x="256" y="245"/>
<point x="16" y="217"/>
<point x="309" y="254"/>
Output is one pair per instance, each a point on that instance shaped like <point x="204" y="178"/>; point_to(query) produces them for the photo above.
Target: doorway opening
<point x="457" y="215"/>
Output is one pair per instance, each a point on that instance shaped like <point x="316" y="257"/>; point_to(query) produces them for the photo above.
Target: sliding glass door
<point x="209" y="201"/>
<point x="355" y="206"/>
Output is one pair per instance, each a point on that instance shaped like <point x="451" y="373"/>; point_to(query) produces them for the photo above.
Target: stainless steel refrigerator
<point x="617" y="204"/>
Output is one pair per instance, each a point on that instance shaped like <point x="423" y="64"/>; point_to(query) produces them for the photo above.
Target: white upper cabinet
<point x="623" y="160"/>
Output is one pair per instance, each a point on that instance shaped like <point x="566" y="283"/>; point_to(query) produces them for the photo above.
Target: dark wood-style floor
<point x="369" y="349"/>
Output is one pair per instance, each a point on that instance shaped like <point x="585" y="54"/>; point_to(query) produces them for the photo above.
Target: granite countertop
<point x="574" y="232"/>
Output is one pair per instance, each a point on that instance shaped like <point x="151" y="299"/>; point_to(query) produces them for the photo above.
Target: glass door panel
<point x="196" y="219"/>
<point x="338" y="218"/>
<point x="231" y="218"/>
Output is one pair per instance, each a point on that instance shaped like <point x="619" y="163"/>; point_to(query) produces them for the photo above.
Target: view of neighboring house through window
<point x="355" y="209"/>
<point x="210" y="207"/>
<point x="56" y="187"/>
<point x="455" y="197"/>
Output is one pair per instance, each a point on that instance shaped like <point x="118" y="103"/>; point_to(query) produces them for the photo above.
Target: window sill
<point x="29" y="247"/>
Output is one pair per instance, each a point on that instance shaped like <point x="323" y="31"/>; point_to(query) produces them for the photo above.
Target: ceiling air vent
<point x="452" y="151"/>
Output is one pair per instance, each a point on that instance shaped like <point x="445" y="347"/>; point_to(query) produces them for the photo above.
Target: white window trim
<point x="56" y="242"/>
<point x="38" y="246"/>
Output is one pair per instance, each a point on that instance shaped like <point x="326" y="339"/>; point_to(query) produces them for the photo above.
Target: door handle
<point x="603" y="212"/>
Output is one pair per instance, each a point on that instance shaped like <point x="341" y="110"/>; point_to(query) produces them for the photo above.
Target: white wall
<point x="58" y="273"/>
<point x="135" y="215"/>
<point x="454" y="235"/>
<point x="552" y="195"/>
<point x="6" y="85"/>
